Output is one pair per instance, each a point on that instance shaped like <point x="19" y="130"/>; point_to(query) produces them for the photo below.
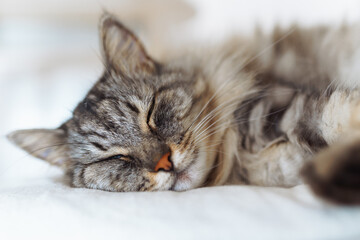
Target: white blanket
<point x="47" y="209"/>
<point x="45" y="69"/>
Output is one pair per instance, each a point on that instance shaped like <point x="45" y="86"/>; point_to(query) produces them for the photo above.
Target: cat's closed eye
<point x="117" y="157"/>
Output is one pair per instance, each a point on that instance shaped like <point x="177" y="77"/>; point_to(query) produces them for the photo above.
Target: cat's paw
<point x="334" y="174"/>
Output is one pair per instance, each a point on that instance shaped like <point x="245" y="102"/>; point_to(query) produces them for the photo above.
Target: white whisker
<point x="241" y="68"/>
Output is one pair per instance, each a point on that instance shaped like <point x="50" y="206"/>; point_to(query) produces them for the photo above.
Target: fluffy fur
<point x="252" y="111"/>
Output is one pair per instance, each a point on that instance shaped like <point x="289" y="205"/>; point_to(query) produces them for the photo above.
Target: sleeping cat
<point x="256" y="111"/>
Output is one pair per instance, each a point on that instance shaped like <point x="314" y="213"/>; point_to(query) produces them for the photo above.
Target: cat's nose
<point x="164" y="163"/>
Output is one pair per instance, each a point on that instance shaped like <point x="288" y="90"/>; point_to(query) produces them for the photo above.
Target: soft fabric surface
<point x="48" y="209"/>
<point x="47" y="67"/>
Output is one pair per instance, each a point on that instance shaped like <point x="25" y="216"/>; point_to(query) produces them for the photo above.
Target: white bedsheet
<point x="47" y="209"/>
<point x="45" y="69"/>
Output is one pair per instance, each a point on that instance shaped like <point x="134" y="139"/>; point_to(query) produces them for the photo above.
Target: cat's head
<point x="140" y="111"/>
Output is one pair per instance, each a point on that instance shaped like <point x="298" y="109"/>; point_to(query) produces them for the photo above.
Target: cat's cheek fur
<point x="91" y="177"/>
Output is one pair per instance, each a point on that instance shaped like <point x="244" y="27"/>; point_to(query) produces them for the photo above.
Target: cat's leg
<point x="334" y="173"/>
<point x="277" y="164"/>
<point x="311" y="124"/>
<point x="274" y="163"/>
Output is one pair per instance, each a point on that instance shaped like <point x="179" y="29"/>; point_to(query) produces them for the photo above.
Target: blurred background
<point x="49" y="55"/>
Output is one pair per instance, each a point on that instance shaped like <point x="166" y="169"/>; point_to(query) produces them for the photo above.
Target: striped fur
<point x="253" y="111"/>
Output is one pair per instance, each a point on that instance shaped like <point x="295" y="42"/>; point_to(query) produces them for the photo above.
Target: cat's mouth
<point x="190" y="171"/>
<point x="184" y="180"/>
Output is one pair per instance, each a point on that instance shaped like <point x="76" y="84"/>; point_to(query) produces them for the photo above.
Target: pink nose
<point x="164" y="163"/>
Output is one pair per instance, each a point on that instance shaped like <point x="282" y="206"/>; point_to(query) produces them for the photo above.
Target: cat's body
<point x="249" y="112"/>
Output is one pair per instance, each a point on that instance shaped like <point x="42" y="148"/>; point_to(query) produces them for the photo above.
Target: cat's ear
<point x="121" y="49"/>
<point x="47" y="144"/>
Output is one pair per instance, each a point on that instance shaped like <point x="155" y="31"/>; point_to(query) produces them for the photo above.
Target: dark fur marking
<point x="110" y="126"/>
<point x="82" y="178"/>
<point x="171" y="86"/>
<point x="119" y="111"/>
<point x="78" y="127"/>
<point x="310" y="136"/>
<point x="150" y="110"/>
<point x="99" y="146"/>
<point x="187" y="141"/>
<point x="140" y="187"/>
<point x="271" y="128"/>
<point x="242" y="115"/>
<point x="132" y="107"/>
<point x="98" y="135"/>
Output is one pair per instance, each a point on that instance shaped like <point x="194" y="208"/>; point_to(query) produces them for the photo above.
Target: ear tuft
<point x="121" y="49"/>
<point x="47" y="144"/>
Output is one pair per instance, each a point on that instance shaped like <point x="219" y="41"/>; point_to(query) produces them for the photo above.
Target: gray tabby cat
<point x="256" y="111"/>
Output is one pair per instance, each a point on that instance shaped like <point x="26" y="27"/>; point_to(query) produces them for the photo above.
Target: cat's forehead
<point x="116" y="108"/>
<point x="113" y="85"/>
<point x="107" y="120"/>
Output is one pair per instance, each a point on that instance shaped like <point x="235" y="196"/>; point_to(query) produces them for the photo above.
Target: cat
<point x="273" y="110"/>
